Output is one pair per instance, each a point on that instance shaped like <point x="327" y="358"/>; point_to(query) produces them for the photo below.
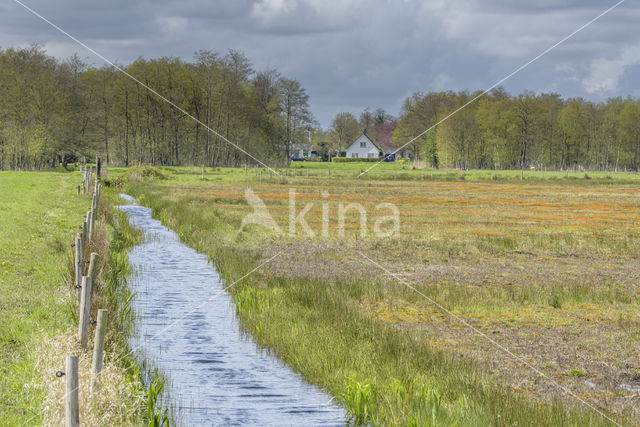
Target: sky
<point x="354" y="54"/>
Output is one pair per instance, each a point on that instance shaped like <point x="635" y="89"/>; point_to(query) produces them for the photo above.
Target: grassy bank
<point x="549" y="269"/>
<point x="39" y="216"/>
<point x="393" y="171"/>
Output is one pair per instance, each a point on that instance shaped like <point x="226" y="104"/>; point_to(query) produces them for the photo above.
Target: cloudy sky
<point x="352" y="54"/>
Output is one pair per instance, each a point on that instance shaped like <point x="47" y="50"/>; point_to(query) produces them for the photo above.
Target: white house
<point x="364" y="148"/>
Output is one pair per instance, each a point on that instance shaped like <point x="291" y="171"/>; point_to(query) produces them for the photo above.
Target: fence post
<point x="307" y="172"/>
<point x="85" y="307"/>
<point x="72" y="407"/>
<point x="78" y="262"/>
<point x="98" y="349"/>
<point x="90" y="224"/>
<point x="94" y="208"/>
<point x="87" y="219"/>
<point x="84" y="232"/>
<point x="97" y="196"/>
<point x="93" y="266"/>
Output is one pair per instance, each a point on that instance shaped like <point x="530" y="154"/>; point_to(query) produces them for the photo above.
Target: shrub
<point x="353" y="159"/>
<point x="139" y="173"/>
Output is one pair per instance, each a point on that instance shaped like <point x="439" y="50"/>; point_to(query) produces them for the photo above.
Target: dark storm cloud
<point x="359" y="53"/>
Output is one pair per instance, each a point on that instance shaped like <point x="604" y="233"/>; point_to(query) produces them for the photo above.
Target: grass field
<point x="39" y="216"/>
<point x="367" y="171"/>
<point x="548" y="266"/>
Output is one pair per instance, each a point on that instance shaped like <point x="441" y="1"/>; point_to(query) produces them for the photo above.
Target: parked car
<point x="298" y="159"/>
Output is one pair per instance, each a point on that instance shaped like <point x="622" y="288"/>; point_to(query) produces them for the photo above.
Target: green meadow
<point x="39" y="216"/>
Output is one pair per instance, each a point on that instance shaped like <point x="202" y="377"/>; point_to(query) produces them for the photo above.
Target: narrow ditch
<point x="186" y="326"/>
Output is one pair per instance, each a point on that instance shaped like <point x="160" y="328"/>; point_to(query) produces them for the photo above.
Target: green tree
<point x="345" y="128"/>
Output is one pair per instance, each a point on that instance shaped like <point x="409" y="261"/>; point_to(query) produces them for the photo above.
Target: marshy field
<point x="501" y="298"/>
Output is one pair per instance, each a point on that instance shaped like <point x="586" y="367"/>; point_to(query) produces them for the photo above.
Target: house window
<point x="372" y="155"/>
<point x="354" y="154"/>
<point x="363" y="144"/>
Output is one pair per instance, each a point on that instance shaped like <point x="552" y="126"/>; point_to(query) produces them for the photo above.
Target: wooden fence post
<point x="98" y="349"/>
<point x="94" y="208"/>
<point x="90" y="224"/>
<point x="93" y="266"/>
<point x="72" y="407"/>
<point x="97" y="197"/>
<point x="78" y="262"/>
<point x="84" y="232"/>
<point x="87" y="219"/>
<point x="85" y="308"/>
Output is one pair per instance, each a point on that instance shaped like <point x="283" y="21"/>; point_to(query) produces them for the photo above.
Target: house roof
<point x="369" y="139"/>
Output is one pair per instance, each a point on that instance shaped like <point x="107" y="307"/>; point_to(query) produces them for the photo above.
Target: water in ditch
<point x="186" y="326"/>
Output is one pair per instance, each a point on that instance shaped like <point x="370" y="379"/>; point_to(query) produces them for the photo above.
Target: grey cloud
<point x="359" y="53"/>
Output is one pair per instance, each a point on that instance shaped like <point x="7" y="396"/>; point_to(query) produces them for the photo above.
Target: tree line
<point x="54" y="112"/>
<point x="59" y="111"/>
<point x="499" y="131"/>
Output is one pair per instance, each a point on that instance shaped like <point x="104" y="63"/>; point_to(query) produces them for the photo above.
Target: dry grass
<point x="120" y="396"/>
<point x="116" y="402"/>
